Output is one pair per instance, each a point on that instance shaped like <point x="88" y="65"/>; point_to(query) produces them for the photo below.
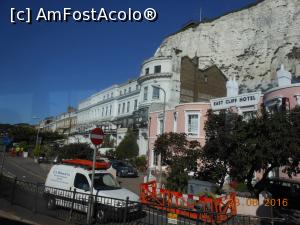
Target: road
<point x="24" y="169"/>
<point x="28" y="170"/>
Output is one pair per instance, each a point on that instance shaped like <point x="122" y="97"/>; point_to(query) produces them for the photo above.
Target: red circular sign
<point x="97" y="136"/>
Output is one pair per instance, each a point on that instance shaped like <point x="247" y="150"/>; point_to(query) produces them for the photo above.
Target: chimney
<point x="232" y="87"/>
<point x="284" y="77"/>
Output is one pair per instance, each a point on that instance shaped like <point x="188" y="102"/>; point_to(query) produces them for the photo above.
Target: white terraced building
<point x="126" y="105"/>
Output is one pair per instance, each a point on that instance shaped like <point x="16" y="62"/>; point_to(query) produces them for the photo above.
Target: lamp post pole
<point x="38" y="132"/>
<point x="163" y="130"/>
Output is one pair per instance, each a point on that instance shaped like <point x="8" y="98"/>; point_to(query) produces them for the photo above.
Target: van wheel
<point x="50" y="203"/>
<point x="100" y="215"/>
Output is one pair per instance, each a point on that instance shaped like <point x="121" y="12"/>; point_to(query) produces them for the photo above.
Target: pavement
<point x="13" y="214"/>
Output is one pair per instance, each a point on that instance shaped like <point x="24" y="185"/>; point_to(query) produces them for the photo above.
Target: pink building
<point x="186" y="118"/>
<point x="190" y="118"/>
<point x="285" y="96"/>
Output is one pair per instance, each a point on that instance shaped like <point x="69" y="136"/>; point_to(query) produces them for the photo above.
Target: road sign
<point x="97" y="136"/>
<point x="6" y="140"/>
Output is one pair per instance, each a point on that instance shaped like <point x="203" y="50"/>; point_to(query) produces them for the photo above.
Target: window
<point x="175" y="114"/>
<point x="125" y="91"/>
<point x="81" y="182"/>
<point x="160" y="127"/>
<point x="135" y="104"/>
<point x="110" y="109"/>
<point x="205" y="78"/>
<point x="120" y="92"/>
<point x="106" y="110"/>
<point x="192" y="124"/>
<point x="123" y="108"/>
<point x="105" y="181"/>
<point x="155" y="158"/>
<point x="111" y="94"/>
<point x="155" y="93"/>
<point x="128" y="106"/>
<point x="157" y="69"/>
<point x="102" y="112"/>
<point x="137" y="87"/>
<point x="145" y="93"/>
<point x="129" y="89"/>
<point x="297" y="100"/>
<point x="147" y="71"/>
<point x="119" y="108"/>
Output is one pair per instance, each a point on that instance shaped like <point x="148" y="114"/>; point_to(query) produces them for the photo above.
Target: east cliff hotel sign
<point x="243" y="100"/>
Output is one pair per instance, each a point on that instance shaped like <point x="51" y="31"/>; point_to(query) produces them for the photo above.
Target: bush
<point x="76" y="151"/>
<point x="110" y="154"/>
<point x="241" y="187"/>
<point x="128" y="148"/>
<point x="140" y="163"/>
<point x="37" y="151"/>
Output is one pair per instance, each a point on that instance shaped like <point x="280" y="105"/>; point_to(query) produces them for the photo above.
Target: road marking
<point x="27" y="171"/>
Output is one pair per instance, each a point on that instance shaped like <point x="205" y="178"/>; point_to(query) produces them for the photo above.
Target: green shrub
<point x="140" y="162"/>
<point x="37" y="151"/>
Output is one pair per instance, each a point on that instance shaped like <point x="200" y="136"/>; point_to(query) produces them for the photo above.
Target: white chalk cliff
<point x="251" y="43"/>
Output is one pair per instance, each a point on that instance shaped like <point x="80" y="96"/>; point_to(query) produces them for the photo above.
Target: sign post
<point x="96" y="136"/>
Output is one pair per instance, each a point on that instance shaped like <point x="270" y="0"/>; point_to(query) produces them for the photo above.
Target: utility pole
<point x="163" y="130"/>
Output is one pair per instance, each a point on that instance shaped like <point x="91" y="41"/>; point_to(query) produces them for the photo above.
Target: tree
<point x="50" y="137"/>
<point x="76" y="151"/>
<point x="240" y="148"/>
<point x="22" y="133"/>
<point x="220" y="141"/>
<point x="180" y="155"/>
<point x="128" y="147"/>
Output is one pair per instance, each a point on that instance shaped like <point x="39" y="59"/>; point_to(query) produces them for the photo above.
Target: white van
<point x="69" y="186"/>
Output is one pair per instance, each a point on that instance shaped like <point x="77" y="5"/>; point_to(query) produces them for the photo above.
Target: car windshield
<point x="105" y="181"/>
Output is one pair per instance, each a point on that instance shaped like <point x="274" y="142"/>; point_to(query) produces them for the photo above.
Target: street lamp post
<point x="38" y="132"/>
<point x="163" y="129"/>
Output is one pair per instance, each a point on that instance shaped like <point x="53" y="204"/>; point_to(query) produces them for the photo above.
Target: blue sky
<point x="45" y="67"/>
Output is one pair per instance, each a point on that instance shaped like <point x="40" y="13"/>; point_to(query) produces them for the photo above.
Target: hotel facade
<point x="190" y="118"/>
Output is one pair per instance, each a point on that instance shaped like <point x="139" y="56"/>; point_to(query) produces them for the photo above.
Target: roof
<point x="86" y="164"/>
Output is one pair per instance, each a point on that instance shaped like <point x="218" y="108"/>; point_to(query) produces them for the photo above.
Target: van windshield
<point x="105" y="181"/>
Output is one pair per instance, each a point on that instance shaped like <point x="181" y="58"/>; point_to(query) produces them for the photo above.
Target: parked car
<point x="42" y="158"/>
<point x="56" y="160"/>
<point x="124" y="169"/>
<point x="284" y="189"/>
<point x="110" y="169"/>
